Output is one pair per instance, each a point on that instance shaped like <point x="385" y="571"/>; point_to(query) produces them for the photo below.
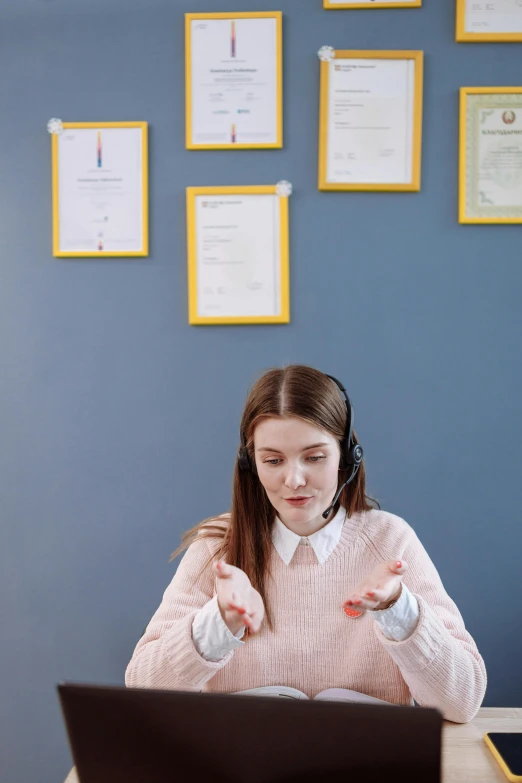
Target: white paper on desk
<point x="238" y="255"/>
<point x="370" y="121"/>
<point x="493" y="16"/>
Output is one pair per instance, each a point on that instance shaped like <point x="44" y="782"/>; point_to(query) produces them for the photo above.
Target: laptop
<point x="124" y="735"/>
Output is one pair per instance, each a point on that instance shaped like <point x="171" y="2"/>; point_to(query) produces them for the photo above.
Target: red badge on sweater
<point x="349" y="612"/>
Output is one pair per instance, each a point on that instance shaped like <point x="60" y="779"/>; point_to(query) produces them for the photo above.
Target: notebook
<point x="330" y="694"/>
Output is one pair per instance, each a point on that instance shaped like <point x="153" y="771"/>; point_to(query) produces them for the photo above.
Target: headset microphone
<point x="352" y="453"/>
<point x="328" y="511"/>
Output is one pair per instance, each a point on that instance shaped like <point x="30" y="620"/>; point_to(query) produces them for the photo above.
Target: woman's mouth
<point x="298" y="501"/>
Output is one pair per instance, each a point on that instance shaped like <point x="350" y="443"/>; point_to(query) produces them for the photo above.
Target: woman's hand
<point x="240" y="605"/>
<point x="382" y="587"/>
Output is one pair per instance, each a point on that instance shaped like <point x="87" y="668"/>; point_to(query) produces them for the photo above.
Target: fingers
<point x="237" y="605"/>
<point x="245" y="613"/>
<point x="237" y="596"/>
<point x="366" y="600"/>
<point x="375" y="596"/>
<point x="252" y="622"/>
<point x="361" y="603"/>
<point x="372" y="599"/>
<point x="379" y="588"/>
<point x="248" y="612"/>
<point x="397" y="566"/>
<point x="222" y="570"/>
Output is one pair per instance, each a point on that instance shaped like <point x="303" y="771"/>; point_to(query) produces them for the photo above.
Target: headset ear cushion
<point x="243" y="459"/>
<point x="357" y="454"/>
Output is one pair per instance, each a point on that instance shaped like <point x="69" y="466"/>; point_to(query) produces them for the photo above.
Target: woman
<point x="305" y="583"/>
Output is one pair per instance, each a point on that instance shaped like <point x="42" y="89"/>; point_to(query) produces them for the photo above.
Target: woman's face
<point x="298" y="465"/>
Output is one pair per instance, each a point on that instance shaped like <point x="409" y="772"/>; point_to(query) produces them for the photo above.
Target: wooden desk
<point x="465" y="756"/>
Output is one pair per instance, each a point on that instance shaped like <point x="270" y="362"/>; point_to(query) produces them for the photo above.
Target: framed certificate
<point x="490" y="169"/>
<point x="234" y="80"/>
<point x="238" y="270"/>
<point x="489" y="20"/>
<point x="100" y="189"/>
<point x="370" y="131"/>
<point x="331" y="4"/>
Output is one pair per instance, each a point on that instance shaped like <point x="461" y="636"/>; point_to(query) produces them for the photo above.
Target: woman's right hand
<point x="240" y="605"/>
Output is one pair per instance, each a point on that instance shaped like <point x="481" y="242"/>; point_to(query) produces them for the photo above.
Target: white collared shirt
<point x="323" y="542"/>
<point x="214" y="640"/>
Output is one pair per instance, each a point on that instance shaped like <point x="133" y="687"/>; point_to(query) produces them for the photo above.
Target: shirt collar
<point x="323" y="542"/>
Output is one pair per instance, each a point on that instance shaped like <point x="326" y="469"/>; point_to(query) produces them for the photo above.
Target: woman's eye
<point x="277" y="461"/>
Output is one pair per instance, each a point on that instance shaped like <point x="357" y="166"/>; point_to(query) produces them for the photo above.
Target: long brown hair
<point x="246" y="536"/>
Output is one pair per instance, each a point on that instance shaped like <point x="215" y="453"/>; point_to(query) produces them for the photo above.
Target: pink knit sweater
<point x="313" y="645"/>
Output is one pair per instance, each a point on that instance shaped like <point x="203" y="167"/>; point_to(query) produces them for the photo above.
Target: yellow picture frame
<point x="55" y="162"/>
<point x="329" y="6"/>
<point x="468" y="152"/>
<point x="461" y="36"/>
<point x="284" y="289"/>
<point x="415" y="184"/>
<point x="189" y="17"/>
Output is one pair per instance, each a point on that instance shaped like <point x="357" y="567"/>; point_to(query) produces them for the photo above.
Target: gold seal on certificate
<point x="331" y="4"/>
<point x="238" y="254"/>
<point x="233" y="76"/>
<point x="490" y="181"/>
<point x="100" y="189"/>
<point x="370" y="120"/>
<point x="489" y="20"/>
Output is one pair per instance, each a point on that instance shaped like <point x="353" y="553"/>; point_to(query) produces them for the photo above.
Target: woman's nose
<point x="295" y="477"/>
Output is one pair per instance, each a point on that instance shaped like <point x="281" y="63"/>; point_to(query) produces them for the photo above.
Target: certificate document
<point x="100" y="190"/>
<point x="370" y="122"/>
<point x="236" y="257"/>
<point x="371" y="3"/>
<point x="234" y="90"/>
<point x="493" y="16"/>
<point x="492" y="157"/>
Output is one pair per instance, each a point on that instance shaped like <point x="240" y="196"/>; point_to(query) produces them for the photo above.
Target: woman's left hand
<point x="382" y="587"/>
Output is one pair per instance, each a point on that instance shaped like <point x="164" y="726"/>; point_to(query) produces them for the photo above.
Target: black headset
<point x="351" y="453"/>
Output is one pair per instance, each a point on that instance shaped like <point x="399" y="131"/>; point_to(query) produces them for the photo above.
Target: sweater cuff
<point x="187" y="664"/>
<point x="422" y="647"/>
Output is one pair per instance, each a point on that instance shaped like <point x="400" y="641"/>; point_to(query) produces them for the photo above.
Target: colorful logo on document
<point x="232" y="39"/>
<point x="99" y="150"/>
<point x="509" y="117"/>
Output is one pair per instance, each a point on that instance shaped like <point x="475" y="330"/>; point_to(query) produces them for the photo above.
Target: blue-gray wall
<point x="118" y="421"/>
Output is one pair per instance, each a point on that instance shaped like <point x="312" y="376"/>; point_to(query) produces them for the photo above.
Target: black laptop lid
<point x="120" y="735"/>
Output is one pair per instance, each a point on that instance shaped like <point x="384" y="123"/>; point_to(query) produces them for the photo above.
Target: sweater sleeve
<point x="440" y="661"/>
<point x="166" y="657"/>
